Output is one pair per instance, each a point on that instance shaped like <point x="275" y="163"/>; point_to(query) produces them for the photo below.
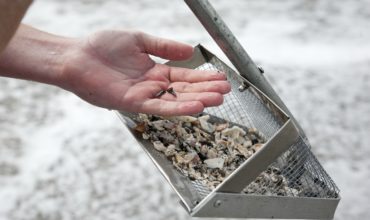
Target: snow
<point x="61" y="158"/>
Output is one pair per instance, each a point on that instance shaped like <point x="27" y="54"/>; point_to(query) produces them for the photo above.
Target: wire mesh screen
<point x="243" y="108"/>
<point x="296" y="173"/>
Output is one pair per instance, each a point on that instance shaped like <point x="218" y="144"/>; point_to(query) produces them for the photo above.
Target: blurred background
<point x="61" y="158"/>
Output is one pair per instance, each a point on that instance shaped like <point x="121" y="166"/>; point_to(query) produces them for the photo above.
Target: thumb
<point x="164" y="48"/>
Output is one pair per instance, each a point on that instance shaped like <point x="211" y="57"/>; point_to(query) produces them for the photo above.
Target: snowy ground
<point x="61" y="158"/>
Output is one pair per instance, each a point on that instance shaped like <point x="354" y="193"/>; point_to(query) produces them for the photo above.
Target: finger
<point x="178" y="74"/>
<point x="222" y="87"/>
<point x="207" y="98"/>
<point x="167" y="49"/>
<point x="170" y="108"/>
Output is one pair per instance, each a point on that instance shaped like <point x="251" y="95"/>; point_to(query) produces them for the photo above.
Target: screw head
<point x="241" y="88"/>
<point x="217" y="203"/>
<point x="261" y="69"/>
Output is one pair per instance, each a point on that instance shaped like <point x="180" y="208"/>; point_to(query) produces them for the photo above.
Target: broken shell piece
<point x="203" y="120"/>
<point x="252" y="130"/>
<point x="244" y="151"/>
<point x="166" y="137"/>
<point x="186" y="118"/>
<point x="194" y="175"/>
<point x="233" y="132"/>
<point x="145" y="136"/>
<point x="215" y="163"/>
<point x="201" y="135"/>
<point x="204" y="149"/>
<point x="158" y="125"/>
<point x="193" y="156"/>
<point x="212" y="153"/>
<point x="169" y="124"/>
<point x="180" y="131"/>
<point x="277" y="179"/>
<point x="247" y="143"/>
<point x="140" y="127"/>
<point x="257" y="146"/>
<point x="171" y="91"/>
<point x="143" y="117"/>
<point x="178" y="159"/>
<point x="190" y="140"/>
<point x="292" y="192"/>
<point x="221" y="127"/>
<point x="159" y="146"/>
<point x="170" y="151"/>
<point x="258" y="134"/>
<point x="160" y="93"/>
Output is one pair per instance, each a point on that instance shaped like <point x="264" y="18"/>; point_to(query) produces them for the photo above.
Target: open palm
<point x="113" y="69"/>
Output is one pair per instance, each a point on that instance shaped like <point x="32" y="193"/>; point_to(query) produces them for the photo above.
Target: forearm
<point x="35" y="55"/>
<point x="11" y="13"/>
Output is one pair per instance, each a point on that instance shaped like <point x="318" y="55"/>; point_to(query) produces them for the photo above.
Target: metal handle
<point x="225" y="39"/>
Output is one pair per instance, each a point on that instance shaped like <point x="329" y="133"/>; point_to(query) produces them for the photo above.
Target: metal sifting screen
<point x="296" y="173"/>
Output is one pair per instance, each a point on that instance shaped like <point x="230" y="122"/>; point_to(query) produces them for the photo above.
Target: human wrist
<point x="35" y="55"/>
<point x="61" y="52"/>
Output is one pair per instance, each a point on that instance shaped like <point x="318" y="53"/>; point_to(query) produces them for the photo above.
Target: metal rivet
<point x="242" y="87"/>
<point x="261" y="69"/>
<point x="195" y="202"/>
<point x="217" y="203"/>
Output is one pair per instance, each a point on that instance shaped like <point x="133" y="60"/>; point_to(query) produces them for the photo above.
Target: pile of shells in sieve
<point x="201" y="150"/>
<point x="271" y="183"/>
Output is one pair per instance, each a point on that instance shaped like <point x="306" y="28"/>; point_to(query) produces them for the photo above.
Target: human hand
<point x="113" y="69"/>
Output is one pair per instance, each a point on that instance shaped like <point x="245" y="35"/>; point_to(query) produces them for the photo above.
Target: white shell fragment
<point x="203" y="120"/>
<point x="158" y="125"/>
<point x="185" y="118"/>
<point x="200" y="149"/>
<point x="215" y="163"/>
<point x="170" y="151"/>
<point x="233" y="132"/>
<point x="159" y="146"/>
